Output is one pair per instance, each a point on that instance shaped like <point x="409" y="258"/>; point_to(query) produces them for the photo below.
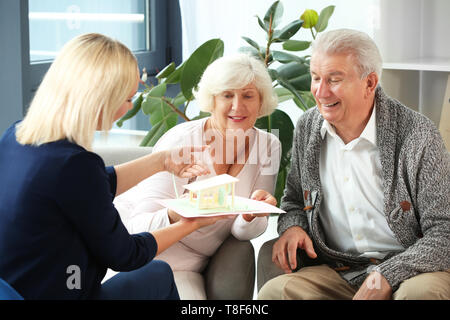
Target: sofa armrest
<point x="266" y="268"/>
<point x="230" y="274"/>
<point x="116" y="155"/>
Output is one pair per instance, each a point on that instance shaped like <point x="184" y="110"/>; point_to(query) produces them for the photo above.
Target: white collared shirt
<point x="352" y="208"/>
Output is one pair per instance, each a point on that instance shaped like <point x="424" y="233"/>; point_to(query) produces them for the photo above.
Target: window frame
<point x="153" y="59"/>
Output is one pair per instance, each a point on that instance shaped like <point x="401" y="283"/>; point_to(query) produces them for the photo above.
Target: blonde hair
<point x="235" y="72"/>
<point x="90" y="79"/>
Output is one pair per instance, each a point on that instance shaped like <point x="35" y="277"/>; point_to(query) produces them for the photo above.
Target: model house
<point x="213" y="192"/>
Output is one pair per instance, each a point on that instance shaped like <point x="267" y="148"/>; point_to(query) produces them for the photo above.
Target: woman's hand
<point x="179" y="161"/>
<point x="204" y="221"/>
<point x="182" y="163"/>
<point x="260" y="195"/>
<point x="167" y="236"/>
<point x="173" y="216"/>
<point x="200" y="221"/>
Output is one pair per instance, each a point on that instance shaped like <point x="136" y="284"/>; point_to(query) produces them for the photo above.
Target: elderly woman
<point x="59" y="230"/>
<point x="237" y="90"/>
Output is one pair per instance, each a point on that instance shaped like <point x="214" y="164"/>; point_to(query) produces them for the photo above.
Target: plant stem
<point x="269" y="42"/>
<point x="145" y="85"/>
<point x="314" y="37"/>
<point x="186" y="106"/>
<point x="266" y="60"/>
<point x="175" y="109"/>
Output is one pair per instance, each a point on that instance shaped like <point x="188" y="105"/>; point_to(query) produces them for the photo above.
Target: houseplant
<point x="291" y="80"/>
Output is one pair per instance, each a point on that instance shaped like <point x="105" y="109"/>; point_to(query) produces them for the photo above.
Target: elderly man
<point x="367" y="196"/>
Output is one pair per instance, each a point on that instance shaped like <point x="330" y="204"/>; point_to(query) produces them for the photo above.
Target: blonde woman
<point x="237" y="90"/>
<point x="59" y="230"/>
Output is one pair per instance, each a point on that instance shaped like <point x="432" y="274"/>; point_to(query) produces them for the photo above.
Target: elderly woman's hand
<point x="260" y="195"/>
<point x="182" y="163"/>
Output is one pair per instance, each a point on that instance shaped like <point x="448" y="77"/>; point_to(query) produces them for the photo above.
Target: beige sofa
<point x="230" y="273"/>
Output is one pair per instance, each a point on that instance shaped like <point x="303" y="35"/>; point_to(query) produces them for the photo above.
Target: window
<point x="53" y="23"/>
<point x="142" y="25"/>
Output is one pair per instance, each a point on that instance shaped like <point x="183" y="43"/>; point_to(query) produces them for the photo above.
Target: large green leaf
<point x="251" y="42"/>
<point x="159" y="129"/>
<point x="288" y="31"/>
<point x="283" y="94"/>
<point x="292" y="69"/>
<point x="153" y="98"/>
<point x="281" y="125"/>
<point x="297" y="74"/>
<point x="294" y="91"/>
<point x="175" y="76"/>
<point x="161" y="115"/>
<point x="324" y="16"/>
<point x="201" y="115"/>
<point x="280" y="121"/>
<point x="284" y="57"/>
<point x="137" y="104"/>
<point x="253" y="52"/>
<point x="155" y="106"/>
<point x="301" y="83"/>
<point x="281" y="183"/>
<point x="262" y="25"/>
<point x="276" y="11"/>
<point x="296" y="45"/>
<point x="179" y="99"/>
<point x="197" y="63"/>
<point x="261" y="55"/>
<point x="167" y="71"/>
<point x="158" y="91"/>
<point x="152" y="135"/>
<point x="273" y="74"/>
<point x="308" y="99"/>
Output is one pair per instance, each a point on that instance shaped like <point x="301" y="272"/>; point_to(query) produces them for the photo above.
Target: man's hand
<point x="284" y="252"/>
<point x="375" y="287"/>
<point x="182" y="163"/>
<point x="260" y="195"/>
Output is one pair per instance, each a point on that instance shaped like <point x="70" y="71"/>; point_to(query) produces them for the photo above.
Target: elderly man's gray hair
<point x="352" y="42"/>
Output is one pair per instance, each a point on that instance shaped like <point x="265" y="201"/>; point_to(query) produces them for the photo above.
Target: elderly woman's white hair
<point x="235" y="72"/>
<point x="354" y="42"/>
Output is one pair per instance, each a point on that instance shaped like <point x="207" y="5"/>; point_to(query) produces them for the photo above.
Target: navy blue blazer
<point x="59" y="230"/>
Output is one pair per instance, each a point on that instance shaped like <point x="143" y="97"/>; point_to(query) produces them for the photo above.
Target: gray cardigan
<point x="416" y="183"/>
